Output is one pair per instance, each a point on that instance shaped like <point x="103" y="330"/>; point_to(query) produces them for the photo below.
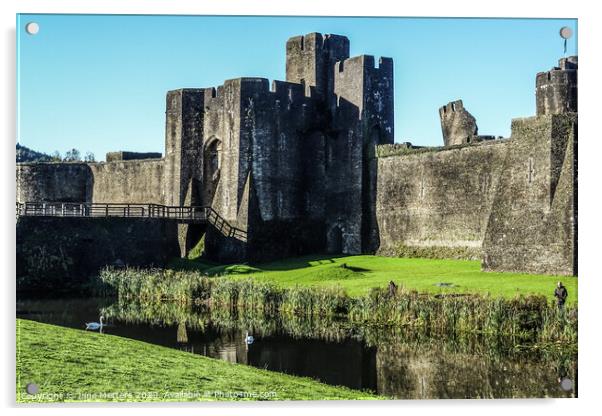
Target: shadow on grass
<point x="300" y="262"/>
<point x="199" y="264"/>
<point x="355" y="268"/>
<point x="212" y="268"/>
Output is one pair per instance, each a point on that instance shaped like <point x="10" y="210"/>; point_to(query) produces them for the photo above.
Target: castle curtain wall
<point x="131" y="181"/>
<point x="511" y="203"/>
<point x="532" y="227"/>
<point x="53" y="182"/>
<point x="438" y="198"/>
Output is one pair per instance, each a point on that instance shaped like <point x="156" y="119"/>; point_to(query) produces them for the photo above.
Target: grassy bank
<point x="525" y="316"/>
<point x="357" y="275"/>
<point x="73" y="365"/>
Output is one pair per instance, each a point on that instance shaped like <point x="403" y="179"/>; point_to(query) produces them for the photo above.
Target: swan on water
<point x="93" y="326"/>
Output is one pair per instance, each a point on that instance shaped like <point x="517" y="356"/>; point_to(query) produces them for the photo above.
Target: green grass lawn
<point x="361" y="273"/>
<point x="73" y="365"/>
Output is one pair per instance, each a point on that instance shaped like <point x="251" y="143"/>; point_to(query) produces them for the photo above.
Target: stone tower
<point x="556" y="89"/>
<point x="183" y="141"/>
<point x="362" y="108"/>
<point x="457" y="124"/>
<point x="183" y="161"/>
<point x="310" y="60"/>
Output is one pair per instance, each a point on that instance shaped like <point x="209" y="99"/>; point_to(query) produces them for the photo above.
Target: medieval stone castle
<point x="309" y="165"/>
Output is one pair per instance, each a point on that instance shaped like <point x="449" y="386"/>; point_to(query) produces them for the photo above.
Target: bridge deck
<point x="185" y="214"/>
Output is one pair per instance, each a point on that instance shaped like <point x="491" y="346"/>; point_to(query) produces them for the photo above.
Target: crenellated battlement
<point x="367" y="62"/>
<point x="310" y="58"/>
<point x="289" y="91"/>
<point x="210" y="93"/>
<point x="385" y="63"/>
<point x="333" y="45"/>
<point x="556" y="89"/>
<point x="451" y="107"/>
<point x="364" y="90"/>
<point x="283" y="91"/>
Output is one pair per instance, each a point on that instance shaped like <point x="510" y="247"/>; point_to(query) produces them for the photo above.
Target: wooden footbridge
<point x="181" y="214"/>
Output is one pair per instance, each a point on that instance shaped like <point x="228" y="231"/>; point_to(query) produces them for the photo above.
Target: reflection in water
<point x="182" y="334"/>
<point x="430" y="373"/>
<point x="390" y="361"/>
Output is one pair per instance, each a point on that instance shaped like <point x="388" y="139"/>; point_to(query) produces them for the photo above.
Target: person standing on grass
<point x="561" y="294"/>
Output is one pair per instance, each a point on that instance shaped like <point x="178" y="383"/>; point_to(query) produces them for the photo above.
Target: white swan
<point x="93" y="326"/>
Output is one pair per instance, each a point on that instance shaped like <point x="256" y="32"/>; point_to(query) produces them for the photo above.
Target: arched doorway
<point x="211" y="169"/>
<point x="334" y="240"/>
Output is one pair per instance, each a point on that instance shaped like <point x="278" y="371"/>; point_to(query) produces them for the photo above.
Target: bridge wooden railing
<point x="193" y="214"/>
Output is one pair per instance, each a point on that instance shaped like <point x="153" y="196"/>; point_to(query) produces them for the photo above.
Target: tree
<point x="72" y="155"/>
<point x="56" y="156"/>
<point x="25" y="154"/>
<point x="89" y="157"/>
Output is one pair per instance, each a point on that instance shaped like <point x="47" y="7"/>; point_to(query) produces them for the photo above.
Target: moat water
<point x="386" y="361"/>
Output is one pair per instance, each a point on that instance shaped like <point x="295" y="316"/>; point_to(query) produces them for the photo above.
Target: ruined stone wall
<point x="438" y="198"/>
<point x="532" y="227"/>
<point x="457" y="124"/>
<point x="53" y="182"/>
<point x="128" y="181"/>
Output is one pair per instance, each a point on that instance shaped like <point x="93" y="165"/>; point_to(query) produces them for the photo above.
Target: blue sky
<point x="98" y="83"/>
